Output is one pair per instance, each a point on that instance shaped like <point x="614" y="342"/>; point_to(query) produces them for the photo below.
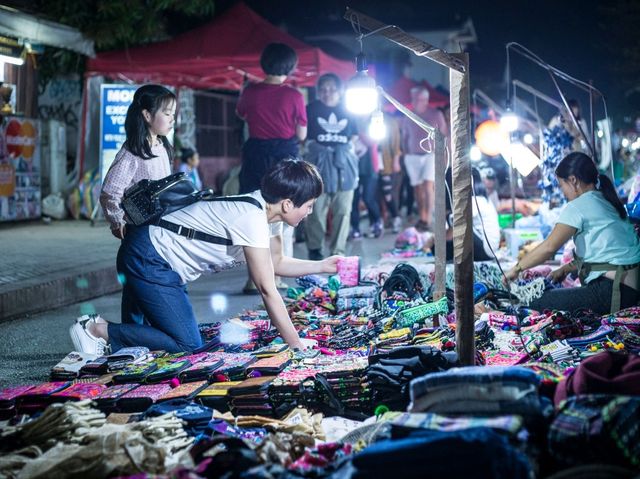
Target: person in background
<point x="563" y="119"/>
<point x="607" y="249"/>
<point x="159" y="263"/>
<point x="330" y="148"/>
<point x="145" y="155"/>
<point x="368" y="166"/>
<point x="419" y="157"/>
<point x="486" y="228"/>
<point x="391" y="173"/>
<point x="190" y="159"/>
<point x="489" y="181"/>
<point x="276" y="118"/>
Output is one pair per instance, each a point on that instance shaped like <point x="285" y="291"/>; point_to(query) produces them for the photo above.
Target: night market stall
<point x="386" y="387"/>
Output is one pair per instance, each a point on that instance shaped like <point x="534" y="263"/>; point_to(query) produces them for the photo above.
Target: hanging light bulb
<point x="509" y="121"/>
<point x="361" y="96"/>
<point x="475" y="154"/>
<point x="527" y="139"/>
<point x="377" y="127"/>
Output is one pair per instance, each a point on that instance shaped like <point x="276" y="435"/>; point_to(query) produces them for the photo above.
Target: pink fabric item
<point x="349" y="270"/>
<point x="272" y="111"/>
<point x="541" y="271"/>
<point x="604" y="373"/>
<point x="125" y="171"/>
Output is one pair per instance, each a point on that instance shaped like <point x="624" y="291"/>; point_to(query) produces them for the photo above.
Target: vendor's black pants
<point x="596" y="296"/>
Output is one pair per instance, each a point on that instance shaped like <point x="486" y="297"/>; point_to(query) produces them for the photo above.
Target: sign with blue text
<point x="114" y="103"/>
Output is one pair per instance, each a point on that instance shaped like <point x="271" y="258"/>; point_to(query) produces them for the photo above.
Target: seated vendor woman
<point x="607" y="253"/>
<point x="156" y="263"/>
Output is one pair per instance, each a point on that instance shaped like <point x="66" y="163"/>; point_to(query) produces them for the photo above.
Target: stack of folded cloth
<point x="478" y="390"/>
<point x="390" y="373"/>
<point x="8" y="398"/>
<point x="393" y="339"/>
<point x="269" y="366"/>
<point x="295" y="385"/>
<point x="356" y="297"/>
<point x="251" y="397"/>
<point x="348" y="382"/>
<point x="195" y="417"/>
<point x="70" y="366"/>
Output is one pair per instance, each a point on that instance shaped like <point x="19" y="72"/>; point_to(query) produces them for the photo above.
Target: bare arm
<point x="301" y="132"/>
<point x="261" y="272"/>
<point x="293" y="267"/>
<point x="560" y="234"/>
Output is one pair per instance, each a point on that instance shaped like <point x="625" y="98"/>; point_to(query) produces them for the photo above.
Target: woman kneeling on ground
<point x="607" y="253"/>
<point x="157" y="263"/>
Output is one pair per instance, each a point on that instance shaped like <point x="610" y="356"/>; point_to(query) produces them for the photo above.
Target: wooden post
<point x="462" y="212"/>
<point x="440" y="217"/>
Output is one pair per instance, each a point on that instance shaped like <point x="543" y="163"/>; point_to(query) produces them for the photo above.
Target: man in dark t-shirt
<point x="329" y="147"/>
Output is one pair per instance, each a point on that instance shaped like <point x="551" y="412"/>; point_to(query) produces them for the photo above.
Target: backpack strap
<point x="191" y="233"/>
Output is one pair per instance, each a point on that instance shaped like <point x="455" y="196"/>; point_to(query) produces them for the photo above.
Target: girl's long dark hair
<point x="152" y="98"/>
<point x="583" y="168"/>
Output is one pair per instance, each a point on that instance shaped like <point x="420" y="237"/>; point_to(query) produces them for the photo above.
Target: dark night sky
<point x="568" y="34"/>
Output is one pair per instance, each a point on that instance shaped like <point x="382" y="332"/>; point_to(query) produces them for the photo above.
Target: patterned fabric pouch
<point x="78" y="392"/>
<point x="135" y="373"/>
<point x="272" y="365"/>
<point x="234" y="368"/>
<point x="184" y="391"/>
<point x="203" y="369"/>
<point x="39" y="396"/>
<point x="8" y="400"/>
<point x="108" y="398"/>
<point x="70" y="366"/>
<point x="167" y="371"/>
<point x="216" y="395"/>
<point x="142" y="397"/>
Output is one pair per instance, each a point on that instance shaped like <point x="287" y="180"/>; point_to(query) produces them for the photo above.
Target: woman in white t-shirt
<point x="607" y="247"/>
<point x="158" y="261"/>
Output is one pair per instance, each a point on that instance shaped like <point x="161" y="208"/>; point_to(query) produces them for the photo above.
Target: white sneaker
<point x="396" y="225"/>
<point x="91" y="318"/>
<point x="85" y="342"/>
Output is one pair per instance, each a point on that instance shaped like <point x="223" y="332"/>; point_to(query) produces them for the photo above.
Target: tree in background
<point x="115" y="24"/>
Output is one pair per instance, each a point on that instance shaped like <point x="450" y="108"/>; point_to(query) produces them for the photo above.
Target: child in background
<point x="190" y="159"/>
<point x="146" y="153"/>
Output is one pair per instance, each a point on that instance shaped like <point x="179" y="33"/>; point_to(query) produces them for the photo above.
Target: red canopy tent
<point x="216" y="55"/>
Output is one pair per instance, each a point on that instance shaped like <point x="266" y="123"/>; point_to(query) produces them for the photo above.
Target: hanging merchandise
<point x="557" y="143"/>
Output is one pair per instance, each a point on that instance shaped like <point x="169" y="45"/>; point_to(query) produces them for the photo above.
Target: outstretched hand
<point x="558" y="275"/>
<point x="330" y="264"/>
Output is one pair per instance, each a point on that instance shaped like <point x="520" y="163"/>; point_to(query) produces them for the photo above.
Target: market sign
<point x="21" y="138"/>
<point x="114" y="103"/>
<point x="10" y="47"/>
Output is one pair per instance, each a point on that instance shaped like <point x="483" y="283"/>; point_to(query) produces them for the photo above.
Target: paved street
<point x="31" y="345"/>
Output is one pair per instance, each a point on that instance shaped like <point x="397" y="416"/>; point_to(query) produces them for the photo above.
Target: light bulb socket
<point x="361" y="62"/>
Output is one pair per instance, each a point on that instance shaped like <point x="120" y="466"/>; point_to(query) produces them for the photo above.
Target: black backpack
<point x="148" y="201"/>
<point x="404" y="279"/>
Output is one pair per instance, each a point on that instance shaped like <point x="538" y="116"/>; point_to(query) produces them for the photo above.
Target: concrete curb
<point x="56" y="292"/>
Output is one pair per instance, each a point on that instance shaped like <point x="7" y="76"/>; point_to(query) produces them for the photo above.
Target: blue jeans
<point x="153" y="291"/>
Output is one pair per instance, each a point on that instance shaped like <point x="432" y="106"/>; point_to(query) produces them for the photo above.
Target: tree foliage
<point x="117" y="24"/>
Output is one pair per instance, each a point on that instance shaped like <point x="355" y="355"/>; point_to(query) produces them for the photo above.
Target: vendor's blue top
<point x="602" y="237"/>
